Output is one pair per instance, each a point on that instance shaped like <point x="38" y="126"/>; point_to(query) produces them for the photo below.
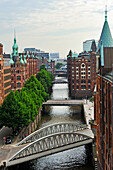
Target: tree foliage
<point x="58" y="65"/>
<point x="13" y="113"/>
<point x="43" y="67"/>
<point x="21" y="108"/>
<point x="45" y="78"/>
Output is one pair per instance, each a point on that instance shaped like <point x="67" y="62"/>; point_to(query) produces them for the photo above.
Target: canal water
<point x="73" y="159"/>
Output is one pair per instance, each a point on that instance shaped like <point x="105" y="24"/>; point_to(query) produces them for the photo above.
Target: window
<point x="83" y="87"/>
<point x="7" y="90"/>
<point x="7" y="84"/>
<point x="77" y="81"/>
<point x="83" y="81"/>
<point x="7" y="71"/>
<point x="7" y="77"/>
<point x="18" y="84"/>
<point x="77" y="87"/>
<point x="83" y="65"/>
<point x="89" y="81"/>
<point x="89" y="87"/>
<point x="83" y="77"/>
<point x="18" y="77"/>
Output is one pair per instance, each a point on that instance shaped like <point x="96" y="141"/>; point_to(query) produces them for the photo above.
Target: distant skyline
<point x="52" y="25"/>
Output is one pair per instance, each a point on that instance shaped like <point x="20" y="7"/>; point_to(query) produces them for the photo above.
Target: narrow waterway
<point x="73" y="159"/>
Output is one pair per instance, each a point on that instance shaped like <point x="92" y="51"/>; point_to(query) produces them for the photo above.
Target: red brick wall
<point x="78" y="75"/>
<point x="104" y="121"/>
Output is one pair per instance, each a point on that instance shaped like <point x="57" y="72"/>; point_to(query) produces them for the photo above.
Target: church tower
<point x="105" y="48"/>
<point x="15" y="47"/>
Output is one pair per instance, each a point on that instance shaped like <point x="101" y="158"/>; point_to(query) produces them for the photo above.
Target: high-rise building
<point x="37" y="52"/>
<point x="89" y="45"/>
<point x="54" y="56"/>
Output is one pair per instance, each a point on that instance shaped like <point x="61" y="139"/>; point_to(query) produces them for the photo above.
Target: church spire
<point x="15" y="46"/>
<point x="106" y="36"/>
<point x="106" y="13"/>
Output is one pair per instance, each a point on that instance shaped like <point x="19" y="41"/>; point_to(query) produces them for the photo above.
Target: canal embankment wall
<point x="88" y="110"/>
<point x="31" y="128"/>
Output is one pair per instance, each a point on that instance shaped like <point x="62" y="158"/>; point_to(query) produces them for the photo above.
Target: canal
<point x="73" y="159"/>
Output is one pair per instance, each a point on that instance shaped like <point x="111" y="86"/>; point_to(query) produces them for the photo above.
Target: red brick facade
<point x="20" y="72"/>
<point x="5" y="76"/>
<point x="16" y="70"/>
<point x="1" y="74"/>
<point x="81" y="74"/>
<point x="104" y="121"/>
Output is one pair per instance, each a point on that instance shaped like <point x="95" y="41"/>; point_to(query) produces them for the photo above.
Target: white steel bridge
<point x="49" y="140"/>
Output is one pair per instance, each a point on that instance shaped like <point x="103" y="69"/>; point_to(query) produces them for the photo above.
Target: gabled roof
<point x="106" y="37"/>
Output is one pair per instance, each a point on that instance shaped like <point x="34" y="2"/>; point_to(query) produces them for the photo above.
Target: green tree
<point x="45" y="78"/>
<point x="34" y="85"/>
<point x="58" y="65"/>
<point x="13" y="113"/>
<point x="25" y="98"/>
<point x="43" y="67"/>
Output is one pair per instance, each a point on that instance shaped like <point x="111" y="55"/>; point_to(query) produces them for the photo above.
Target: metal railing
<point x="50" y="142"/>
<point x="52" y="129"/>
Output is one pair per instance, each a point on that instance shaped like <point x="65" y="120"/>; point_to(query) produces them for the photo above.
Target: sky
<point x="52" y="25"/>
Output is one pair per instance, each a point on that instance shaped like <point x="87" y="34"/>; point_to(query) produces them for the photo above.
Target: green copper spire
<point x="25" y="59"/>
<point x="106" y="36"/>
<point x="106" y="13"/>
<point x="15" y="47"/>
<point x="21" y="60"/>
<point x="28" y="55"/>
<point x="11" y="60"/>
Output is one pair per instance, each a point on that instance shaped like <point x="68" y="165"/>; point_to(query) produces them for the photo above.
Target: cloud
<point x="54" y="21"/>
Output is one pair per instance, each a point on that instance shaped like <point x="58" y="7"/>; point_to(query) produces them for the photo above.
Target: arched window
<point x="18" y="84"/>
<point x="18" y="77"/>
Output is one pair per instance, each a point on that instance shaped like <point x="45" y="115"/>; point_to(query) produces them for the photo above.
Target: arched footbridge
<point x="49" y="140"/>
<point x="52" y="129"/>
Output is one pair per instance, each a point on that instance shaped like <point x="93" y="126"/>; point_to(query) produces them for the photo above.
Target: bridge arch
<point x="49" y="145"/>
<point x="52" y="129"/>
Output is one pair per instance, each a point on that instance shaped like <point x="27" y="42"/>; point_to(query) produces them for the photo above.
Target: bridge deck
<point x="63" y="102"/>
<point x="13" y="149"/>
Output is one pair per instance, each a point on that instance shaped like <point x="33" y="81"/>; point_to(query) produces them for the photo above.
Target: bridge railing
<point x="52" y="129"/>
<point x="48" y="143"/>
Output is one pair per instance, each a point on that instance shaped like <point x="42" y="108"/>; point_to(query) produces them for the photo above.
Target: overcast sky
<point x="52" y="25"/>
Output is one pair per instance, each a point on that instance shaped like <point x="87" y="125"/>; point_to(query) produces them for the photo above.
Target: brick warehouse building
<point x="5" y="76"/>
<point x="103" y="120"/>
<point x="81" y="70"/>
<point x="22" y="67"/>
<point x="15" y="69"/>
